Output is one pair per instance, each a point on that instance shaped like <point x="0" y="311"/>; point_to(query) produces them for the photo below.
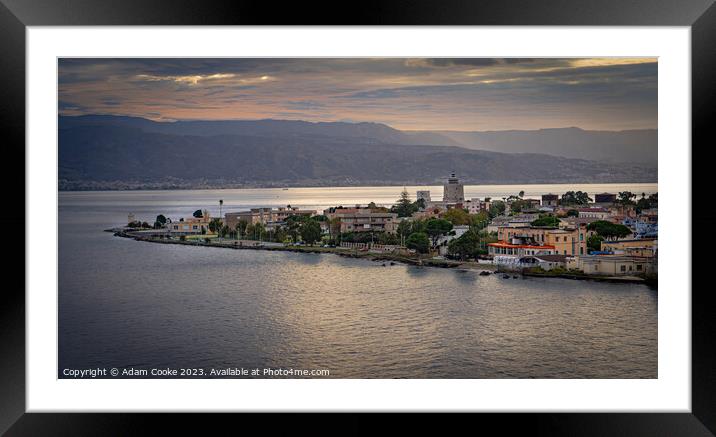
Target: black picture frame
<point x="16" y="15"/>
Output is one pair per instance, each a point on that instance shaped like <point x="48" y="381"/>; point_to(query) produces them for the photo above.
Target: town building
<point x="513" y="262"/>
<point x="363" y="219"/>
<point x="514" y="221"/>
<point x="475" y="205"/>
<point x="594" y="212"/>
<point x="428" y="213"/>
<point x="191" y="225"/>
<point x="550" y="200"/>
<point x="643" y="247"/>
<point x="453" y="190"/>
<point x="605" y="198"/>
<point x="265" y="216"/>
<point x="612" y="265"/>
<point x="457" y="232"/>
<point x="519" y="248"/>
<point x="565" y="241"/>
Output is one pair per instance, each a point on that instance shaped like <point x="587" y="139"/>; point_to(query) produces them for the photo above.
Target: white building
<point x="457" y="232"/>
<point x="514" y="262"/>
<point x="476" y="205"/>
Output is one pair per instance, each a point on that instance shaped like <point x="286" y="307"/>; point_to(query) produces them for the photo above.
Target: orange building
<point x="565" y="241"/>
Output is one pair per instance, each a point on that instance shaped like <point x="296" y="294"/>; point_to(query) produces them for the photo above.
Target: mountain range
<point x="110" y="152"/>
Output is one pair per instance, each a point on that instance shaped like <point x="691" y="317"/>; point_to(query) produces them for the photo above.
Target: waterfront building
<point x="520" y="248"/>
<point x="453" y="190"/>
<point x="566" y="241"/>
<point x="516" y="262"/>
<point x="265" y="216"/>
<point x="191" y="225"/>
<point x="612" y="265"/>
<point x="457" y="232"/>
<point x="363" y="219"/>
<point x="643" y="247"/>
<point x="550" y="200"/>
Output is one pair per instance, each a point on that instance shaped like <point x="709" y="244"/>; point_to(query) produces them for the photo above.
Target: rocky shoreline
<point x="484" y="269"/>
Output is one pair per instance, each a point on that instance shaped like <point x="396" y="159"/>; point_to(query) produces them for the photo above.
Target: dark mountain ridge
<point x="104" y="152"/>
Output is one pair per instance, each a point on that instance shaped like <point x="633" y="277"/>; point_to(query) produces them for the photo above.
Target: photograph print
<point x="312" y="218"/>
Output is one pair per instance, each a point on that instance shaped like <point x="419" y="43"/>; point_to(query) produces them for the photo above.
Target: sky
<point x="464" y="94"/>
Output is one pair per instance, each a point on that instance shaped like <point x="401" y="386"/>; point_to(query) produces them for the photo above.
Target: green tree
<point x="646" y="202"/>
<point x="404" y="207"/>
<point x="436" y="228"/>
<point x="497" y="207"/>
<point x="259" y="231"/>
<point x="388" y="238"/>
<point x="293" y="226"/>
<point x="405" y="228"/>
<point x="457" y="216"/>
<point x="198" y="214"/>
<point x="241" y="227"/>
<point x="215" y="225"/>
<point x="594" y="243"/>
<point x="609" y="230"/>
<point x="161" y="219"/>
<point x="626" y="198"/>
<point x="575" y="198"/>
<point x="479" y="221"/>
<point x="311" y="232"/>
<point x="334" y="227"/>
<point x="572" y="213"/>
<point x="418" y="241"/>
<point x="466" y="246"/>
<point x="546" y="220"/>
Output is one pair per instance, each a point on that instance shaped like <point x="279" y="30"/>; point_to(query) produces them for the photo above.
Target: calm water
<point x="124" y="303"/>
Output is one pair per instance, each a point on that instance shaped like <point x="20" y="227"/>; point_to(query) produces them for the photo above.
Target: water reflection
<point x="125" y="303"/>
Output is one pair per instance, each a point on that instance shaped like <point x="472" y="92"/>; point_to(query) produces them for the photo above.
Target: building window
<point x="623" y="268"/>
<point x="581" y="250"/>
<point x="639" y="266"/>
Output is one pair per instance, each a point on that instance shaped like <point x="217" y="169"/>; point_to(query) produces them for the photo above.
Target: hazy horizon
<point x="348" y="122"/>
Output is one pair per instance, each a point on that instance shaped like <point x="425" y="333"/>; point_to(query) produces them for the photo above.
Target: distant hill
<point x="106" y="152"/>
<point x="634" y="146"/>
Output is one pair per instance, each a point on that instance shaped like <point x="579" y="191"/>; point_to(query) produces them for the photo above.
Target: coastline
<point x="484" y="269"/>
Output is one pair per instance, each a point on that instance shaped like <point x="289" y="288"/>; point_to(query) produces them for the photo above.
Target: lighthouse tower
<point x="453" y="191"/>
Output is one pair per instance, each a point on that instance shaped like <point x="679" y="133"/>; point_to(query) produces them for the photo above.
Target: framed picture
<point x="413" y="209"/>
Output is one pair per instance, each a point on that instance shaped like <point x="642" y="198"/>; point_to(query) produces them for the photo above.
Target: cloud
<point x="415" y="93"/>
